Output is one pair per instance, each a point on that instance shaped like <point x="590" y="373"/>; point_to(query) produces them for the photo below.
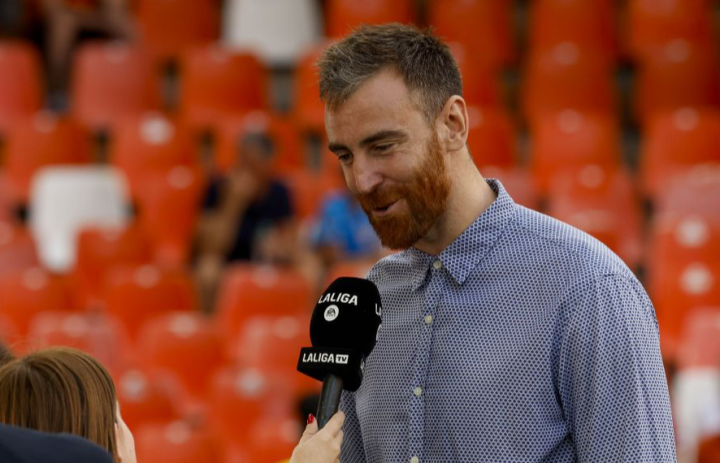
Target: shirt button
<point x="417" y="391"/>
<point x="414" y="460"/>
<point x="437" y="264"/>
<point x="428" y="319"/>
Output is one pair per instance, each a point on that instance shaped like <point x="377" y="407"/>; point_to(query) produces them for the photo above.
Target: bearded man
<point x="507" y="336"/>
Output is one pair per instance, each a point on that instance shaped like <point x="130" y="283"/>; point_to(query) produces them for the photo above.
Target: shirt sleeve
<point x="611" y="379"/>
<point x="352" y="450"/>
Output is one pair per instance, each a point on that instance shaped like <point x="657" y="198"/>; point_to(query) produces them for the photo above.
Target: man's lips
<point x="381" y="211"/>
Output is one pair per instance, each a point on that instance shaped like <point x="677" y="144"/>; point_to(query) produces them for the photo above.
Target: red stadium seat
<point x="699" y="345"/>
<point x="40" y="141"/>
<point x="652" y="24"/>
<point x="230" y="132"/>
<point x="483" y="26"/>
<point x="588" y="23"/>
<point x="248" y="290"/>
<point x="695" y="192"/>
<point x="342" y="16"/>
<point x="169" y="27"/>
<point x="307" y="190"/>
<point x="27" y="293"/>
<point x="97" y="334"/>
<point x="568" y="77"/>
<point x="571" y="139"/>
<point x="602" y="202"/>
<point x="168" y="205"/>
<point x="675" y="142"/>
<point x="137" y="294"/>
<point x="17" y="249"/>
<point x="675" y="76"/>
<point x="491" y="137"/>
<point x="112" y="81"/>
<point x="146" y="398"/>
<point x="185" y="345"/>
<point x="20" y="82"/>
<point x="177" y="441"/>
<point x="518" y="182"/>
<point x="273" y="438"/>
<point x="308" y="109"/>
<point x="217" y="82"/>
<point x="481" y="85"/>
<point x="149" y="144"/>
<point x="101" y="248"/>
<point x="240" y="396"/>
<point x="9" y="335"/>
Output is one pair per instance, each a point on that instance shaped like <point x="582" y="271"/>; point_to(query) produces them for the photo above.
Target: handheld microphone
<point x="343" y="330"/>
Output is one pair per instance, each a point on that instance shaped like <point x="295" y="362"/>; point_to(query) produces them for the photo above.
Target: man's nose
<point x="365" y="175"/>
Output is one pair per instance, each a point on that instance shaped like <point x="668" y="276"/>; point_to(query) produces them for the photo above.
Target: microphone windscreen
<point x="347" y="315"/>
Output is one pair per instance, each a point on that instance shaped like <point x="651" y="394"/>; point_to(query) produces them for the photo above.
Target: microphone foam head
<point x="347" y="315"/>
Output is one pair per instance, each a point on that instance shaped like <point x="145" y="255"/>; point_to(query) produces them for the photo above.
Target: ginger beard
<point x="425" y="194"/>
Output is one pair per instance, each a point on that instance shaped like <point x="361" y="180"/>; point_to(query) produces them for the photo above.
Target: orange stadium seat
<point x="248" y="290"/>
<point x="9" y="334"/>
<point x="177" y="441"/>
<point x="481" y="85"/>
<point x="601" y="201"/>
<point x="483" y="26"/>
<point x="699" y="345"/>
<point x="20" y="82"/>
<point x="308" y="109"/>
<point x="675" y="142"/>
<point x="95" y="333"/>
<point x="341" y="16"/>
<point x="518" y="182"/>
<point x="273" y="438"/>
<point x="568" y="77"/>
<point x="39" y="141"/>
<point x="589" y="24"/>
<point x="101" y="248"/>
<point x="168" y="205"/>
<point x="695" y="192"/>
<point x="570" y="138"/>
<point x="241" y="395"/>
<point x="230" y="132"/>
<point x="186" y="345"/>
<point x="26" y="293"/>
<point x="112" y="81"/>
<point x="492" y="137"/>
<point x="169" y="27"/>
<point x="274" y="342"/>
<point x="216" y="82"/>
<point x="146" y="398"/>
<point x="652" y="24"/>
<point x="307" y="190"/>
<point x="148" y="144"/>
<point x="675" y="76"/>
<point x="17" y="249"/>
<point x="138" y="293"/>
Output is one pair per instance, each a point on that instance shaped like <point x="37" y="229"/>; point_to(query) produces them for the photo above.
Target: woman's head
<point x="61" y="390"/>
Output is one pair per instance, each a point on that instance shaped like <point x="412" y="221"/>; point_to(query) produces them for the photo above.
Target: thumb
<point x="310" y="430"/>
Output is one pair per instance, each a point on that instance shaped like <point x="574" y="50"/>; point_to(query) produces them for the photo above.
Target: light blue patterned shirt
<point x="525" y="340"/>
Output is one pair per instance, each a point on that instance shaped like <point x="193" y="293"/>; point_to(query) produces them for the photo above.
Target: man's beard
<point x="426" y="195"/>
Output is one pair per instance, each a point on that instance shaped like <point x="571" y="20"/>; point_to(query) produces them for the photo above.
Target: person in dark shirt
<point x="247" y="216"/>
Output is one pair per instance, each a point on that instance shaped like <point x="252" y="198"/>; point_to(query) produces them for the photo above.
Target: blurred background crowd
<point x="168" y="204"/>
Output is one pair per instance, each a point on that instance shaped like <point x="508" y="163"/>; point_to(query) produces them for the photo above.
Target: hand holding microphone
<point x="343" y="331"/>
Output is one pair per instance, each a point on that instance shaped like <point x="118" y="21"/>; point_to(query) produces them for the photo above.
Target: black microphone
<point x="343" y="331"/>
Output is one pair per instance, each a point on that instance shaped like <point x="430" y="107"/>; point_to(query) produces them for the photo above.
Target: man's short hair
<point x="424" y="62"/>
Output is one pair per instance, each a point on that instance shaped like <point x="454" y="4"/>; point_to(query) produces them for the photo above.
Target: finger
<point x="335" y="424"/>
<point x="310" y="430"/>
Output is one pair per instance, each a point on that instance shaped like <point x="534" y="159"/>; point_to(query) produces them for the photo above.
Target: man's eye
<point x="343" y="157"/>
<point x="384" y="148"/>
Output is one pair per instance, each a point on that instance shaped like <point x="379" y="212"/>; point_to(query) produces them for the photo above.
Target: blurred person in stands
<point x="248" y="216"/>
<point x="507" y="335"/>
<point x="64" y="390"/>
<point x="66" y="21"/>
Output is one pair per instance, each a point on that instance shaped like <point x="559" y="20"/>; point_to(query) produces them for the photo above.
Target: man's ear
<point x="453" y="124"/>
<point x="117" y="444"/>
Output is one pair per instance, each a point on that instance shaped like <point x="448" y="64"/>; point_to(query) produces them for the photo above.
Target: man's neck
<point x="469" y="197"/>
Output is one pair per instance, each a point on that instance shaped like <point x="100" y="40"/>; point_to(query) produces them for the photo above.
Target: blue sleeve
<point x="352" y="447"/>
<point x="324" y="231"/>
<point x="611" y="379"/>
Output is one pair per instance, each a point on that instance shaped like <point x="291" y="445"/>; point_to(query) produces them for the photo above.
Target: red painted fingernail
<point x="311" y="418"/>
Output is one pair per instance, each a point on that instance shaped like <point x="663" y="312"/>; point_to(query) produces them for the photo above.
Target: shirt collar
<point x="473" y="244"/>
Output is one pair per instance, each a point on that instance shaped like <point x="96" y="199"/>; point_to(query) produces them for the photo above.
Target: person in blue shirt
<point x="507" y="336"/>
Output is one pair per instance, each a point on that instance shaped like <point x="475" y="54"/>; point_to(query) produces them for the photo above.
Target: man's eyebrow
<point x="374" y="138"/>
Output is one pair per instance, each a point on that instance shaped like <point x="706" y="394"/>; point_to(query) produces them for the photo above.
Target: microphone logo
<point x="331" y="312"/>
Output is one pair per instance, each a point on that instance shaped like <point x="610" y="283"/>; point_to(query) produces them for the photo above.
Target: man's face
<point x="392" y="160"/>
